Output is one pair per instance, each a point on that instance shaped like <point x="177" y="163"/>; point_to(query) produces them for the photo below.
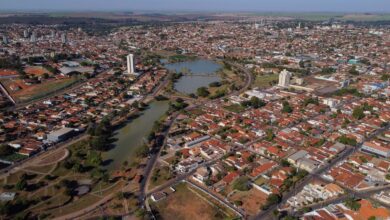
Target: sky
<point x="199" y="5"/>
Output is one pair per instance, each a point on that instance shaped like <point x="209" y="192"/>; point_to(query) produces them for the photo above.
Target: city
<point x="194" y="115"/>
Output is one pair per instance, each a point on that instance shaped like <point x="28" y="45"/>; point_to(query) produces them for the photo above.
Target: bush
<point x="352" y="204"/>
<point x="241" y="184"/>
<point x="202" y="92"/>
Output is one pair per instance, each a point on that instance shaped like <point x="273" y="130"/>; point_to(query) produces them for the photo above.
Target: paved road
<point x="152" y="161"/>
<point x="238" y="211"/>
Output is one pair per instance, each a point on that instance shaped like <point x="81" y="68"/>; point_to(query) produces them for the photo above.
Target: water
<point x="131" y="136"/>
<point x="204" y="73"/>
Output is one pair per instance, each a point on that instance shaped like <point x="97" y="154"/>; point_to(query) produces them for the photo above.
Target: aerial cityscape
<point x="195" y="109"/>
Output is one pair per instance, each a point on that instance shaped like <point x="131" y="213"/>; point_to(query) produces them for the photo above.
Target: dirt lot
<point x="36" y="70"/>
<point x="185" y="204"/>
<point x="251" y="200"/>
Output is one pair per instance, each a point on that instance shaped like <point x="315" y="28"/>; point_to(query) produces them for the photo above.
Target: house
<point x="293" y="159"/>
<point x="60" y="135"/>
<point x="201" y="174"/>
<point x="307" y="164"/>
<point x="158" y="196"/>
<point x="376" y="148"/>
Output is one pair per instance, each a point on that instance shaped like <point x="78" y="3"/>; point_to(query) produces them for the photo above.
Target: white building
<point x="63" y="38"/>
<point x="5" y="39"/>
<point x="130" y="64"/>
<point x="284" y="78"/>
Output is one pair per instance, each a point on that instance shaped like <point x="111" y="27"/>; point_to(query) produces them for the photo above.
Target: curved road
<point x="152" y="161"/>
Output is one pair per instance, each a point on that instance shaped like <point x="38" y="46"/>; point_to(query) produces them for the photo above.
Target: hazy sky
<point x="201" y="5"/>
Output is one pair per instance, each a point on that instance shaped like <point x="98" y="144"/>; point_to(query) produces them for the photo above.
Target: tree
<point x="21" y="184"/>
<point x="5" y="150"/>
<point x="269" y="134"/>
<point x="202" y="92"/>
<point x="385" y="77"/>
<point x="286" y="107"/>
<point x="98" y="143"/>
<point x="94" y="158"/>
<point x="352" y="204"/>
<point x="251" y="158"/>
<point x="256" y="102"/>
<point x="358" y="113"/>
<point x="273" y="199"/>
<point x="353" y="70"/>
<point x="215" y="84"/>
<point x="46" y="76"/>
<point x="241" y="184"/>
<point x="285" y="163"/>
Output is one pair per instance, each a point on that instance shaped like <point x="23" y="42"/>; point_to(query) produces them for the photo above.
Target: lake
<point x="131" y="136"/>
<point x="204" y="73"/>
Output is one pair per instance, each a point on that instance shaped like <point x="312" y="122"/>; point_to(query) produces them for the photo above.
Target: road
<point x="239" y="212"/>
<point x="152" y="161"/>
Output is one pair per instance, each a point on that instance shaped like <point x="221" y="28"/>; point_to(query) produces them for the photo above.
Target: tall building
<point x="33" y="37"/>
<point x="52" y="34"/>
<point x="63" y="38"/>
<point x="284" y="78"/>
<point x="130" y="64"/>
<point x="25" y="33"/>
<point x="5" y="39"/>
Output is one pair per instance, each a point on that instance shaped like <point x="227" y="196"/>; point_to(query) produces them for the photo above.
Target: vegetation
<point x="310" y="100"/>
<point x="353" y="204"/>
<point x="271" y="200"/>
<point x="253" y="102"/>
<point x="178" y="105"/>
<point x="241" y="184"/>
<point x="286" y="107"/>
<point x="215" y="84"/>
<point x="385" y="77"/>
<point x="202" y="92"/>
<point x="358" y="113"/>
<point x="235" y="108"/>
<point x="348" y="90"/>
<point x="180" y="58"/>
<point x="346" y="140"/>
<point x="100" y="134"/>
<point x="328" y="70"/>
<point x="269" y="134"/>
<point x="6" y="150"/>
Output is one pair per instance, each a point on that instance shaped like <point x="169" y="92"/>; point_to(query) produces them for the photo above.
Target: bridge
<point x="200" y="74"/>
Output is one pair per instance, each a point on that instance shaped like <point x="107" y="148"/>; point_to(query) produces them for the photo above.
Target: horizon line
<point x="186" y="11"/>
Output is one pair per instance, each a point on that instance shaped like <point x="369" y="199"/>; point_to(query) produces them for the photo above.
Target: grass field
<point x="186" y="205"/>
<point x="263" y="81"/>
<point x="160" y="175"/>
<point x="235" y="108"/>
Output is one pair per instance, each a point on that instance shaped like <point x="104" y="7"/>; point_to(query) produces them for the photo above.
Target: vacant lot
<point x="251" y="200"/>
<point x="185" y="204"/>
<point x="263" y="81"/>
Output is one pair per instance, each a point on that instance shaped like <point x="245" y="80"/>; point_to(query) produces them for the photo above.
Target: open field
<point x="263" y="81"/>
<point x="27" y="93"/>
<point x="160" y="175"/>
<point x="236" y="108"/>
<point x="251" y="200"/>
<point x="185" y="204"/>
